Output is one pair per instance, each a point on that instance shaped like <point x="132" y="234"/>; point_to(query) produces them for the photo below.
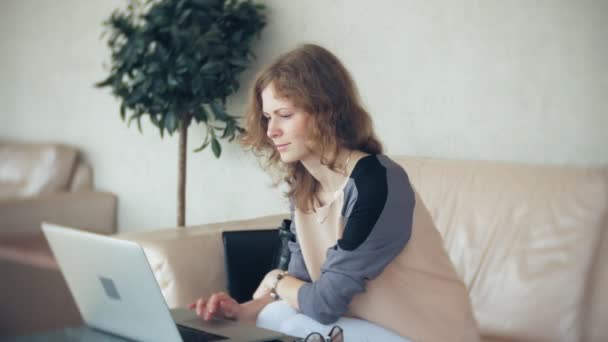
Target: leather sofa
<point x="50" y="182"/>
<point x="42" y="182"/>
<point x="529" y="241"/>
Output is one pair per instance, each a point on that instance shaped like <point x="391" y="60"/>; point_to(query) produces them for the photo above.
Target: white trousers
<point x="279" y="316"/>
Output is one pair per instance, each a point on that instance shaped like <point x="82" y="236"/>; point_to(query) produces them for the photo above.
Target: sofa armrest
<point x="82" y="177"/>
<point x="89" y="210"/>
<point x="189" y="263"/>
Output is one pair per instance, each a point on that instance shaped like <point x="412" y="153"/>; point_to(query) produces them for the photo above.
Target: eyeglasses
<point x="336" y="334"/>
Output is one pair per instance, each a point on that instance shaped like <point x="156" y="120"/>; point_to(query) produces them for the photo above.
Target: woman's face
<point x="288" y="127"/>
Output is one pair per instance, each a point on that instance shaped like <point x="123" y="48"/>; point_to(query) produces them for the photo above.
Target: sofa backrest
<point x="30" y="169"/>
<point x="526" y="241"/>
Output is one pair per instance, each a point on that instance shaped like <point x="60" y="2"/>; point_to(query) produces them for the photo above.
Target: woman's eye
<point x="286" y="115"/>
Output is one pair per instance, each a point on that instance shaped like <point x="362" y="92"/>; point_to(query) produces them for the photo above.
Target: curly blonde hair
<point x="315" y="81"/>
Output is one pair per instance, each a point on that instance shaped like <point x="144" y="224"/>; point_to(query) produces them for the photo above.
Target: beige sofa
<point x="530" y="243"/>
<point x="50" y="182"/>
<point x="42" y="182"/>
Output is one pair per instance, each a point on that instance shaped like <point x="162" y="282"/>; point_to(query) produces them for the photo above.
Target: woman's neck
<point x="329" y="179"/>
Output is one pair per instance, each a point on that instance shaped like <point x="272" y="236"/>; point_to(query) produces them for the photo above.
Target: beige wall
<point x="502" y="80"/>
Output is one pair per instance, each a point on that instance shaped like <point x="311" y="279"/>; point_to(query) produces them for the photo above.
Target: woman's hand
<point x="219" y="305"/>
<point x="266" y="284"/>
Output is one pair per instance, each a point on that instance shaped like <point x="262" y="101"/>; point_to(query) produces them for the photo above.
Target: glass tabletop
<point x="81" y="333"/>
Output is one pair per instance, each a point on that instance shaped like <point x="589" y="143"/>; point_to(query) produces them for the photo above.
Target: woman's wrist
<point x="278" y="276"/>
<point x="288" y="289"/>
<point x="251" y="309"/>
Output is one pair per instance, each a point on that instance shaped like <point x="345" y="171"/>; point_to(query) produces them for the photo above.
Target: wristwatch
<point x="273" y="291"/>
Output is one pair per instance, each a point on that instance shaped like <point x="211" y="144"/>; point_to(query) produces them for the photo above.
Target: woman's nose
<point x="273" y="131"/>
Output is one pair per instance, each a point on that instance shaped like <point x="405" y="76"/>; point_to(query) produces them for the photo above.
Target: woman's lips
<point x="282" y="147"/>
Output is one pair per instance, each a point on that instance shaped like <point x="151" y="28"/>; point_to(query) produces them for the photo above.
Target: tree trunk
<point x="181" y="176"/>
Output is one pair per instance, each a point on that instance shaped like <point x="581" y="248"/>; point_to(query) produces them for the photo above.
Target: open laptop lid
<point x="116" y="291"/>
<point x="112" y="284"/>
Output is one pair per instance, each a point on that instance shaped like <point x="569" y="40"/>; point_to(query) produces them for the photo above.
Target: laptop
<point x="116" y="292"/>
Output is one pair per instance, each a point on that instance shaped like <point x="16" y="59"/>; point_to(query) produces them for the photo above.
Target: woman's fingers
<point x="219" y="304"/>
<point x="201" y="305"/>
<point x="214" y="301"/>
<point x="193" y="306"/>
<point x="226" y="309"/>
<point x="229" y="307"/>
<point x="211" y="306"/>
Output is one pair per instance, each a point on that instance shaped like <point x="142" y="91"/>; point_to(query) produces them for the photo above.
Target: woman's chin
<point x="285" y="158"/>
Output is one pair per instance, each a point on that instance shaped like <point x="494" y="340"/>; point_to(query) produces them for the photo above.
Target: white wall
<point x="499" y="80"/>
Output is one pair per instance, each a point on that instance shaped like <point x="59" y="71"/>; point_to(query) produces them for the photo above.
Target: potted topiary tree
<point x="177" y="61"/>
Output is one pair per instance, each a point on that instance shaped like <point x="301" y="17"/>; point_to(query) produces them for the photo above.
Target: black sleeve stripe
<point x="371" y="184"/>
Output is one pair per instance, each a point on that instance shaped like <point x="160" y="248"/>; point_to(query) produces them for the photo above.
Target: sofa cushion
<point x="188" y="263"/>
<point x="34" y="169"/>
<point x="521" y="237"/>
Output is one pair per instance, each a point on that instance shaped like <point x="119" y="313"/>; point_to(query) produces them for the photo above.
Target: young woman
<point x="367" y="256"/>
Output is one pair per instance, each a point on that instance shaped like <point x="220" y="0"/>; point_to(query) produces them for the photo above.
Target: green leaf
<point x="108" y="81"/>
<point x="215" y="146"/>
<point x="204" y="145"/>
<point x="139" y="124"/>
<point x="171" y="122"/>
<point x="236" y="61"/>
<point x="153" y="67"/>
<point x="123" y="110"/>
<point x="136" y="116"/>
<point x="184" y="16"/>
<point x="218" y="110"/>
<point x="201" y="114"/>
<point x="155" y="121"/>
<point x="197" y="84"/>
<point x="160" y="87"/>
<point x="237" y="36"/>
<point x="211" y="67"/>
<point x="131" y="119"/>
<point x="219" y="50"/>
<point x="172" y="81"/>
<point x="228" y="130"/>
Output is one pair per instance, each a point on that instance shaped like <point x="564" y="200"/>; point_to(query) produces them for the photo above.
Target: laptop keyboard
<point x="194" y="335"/>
